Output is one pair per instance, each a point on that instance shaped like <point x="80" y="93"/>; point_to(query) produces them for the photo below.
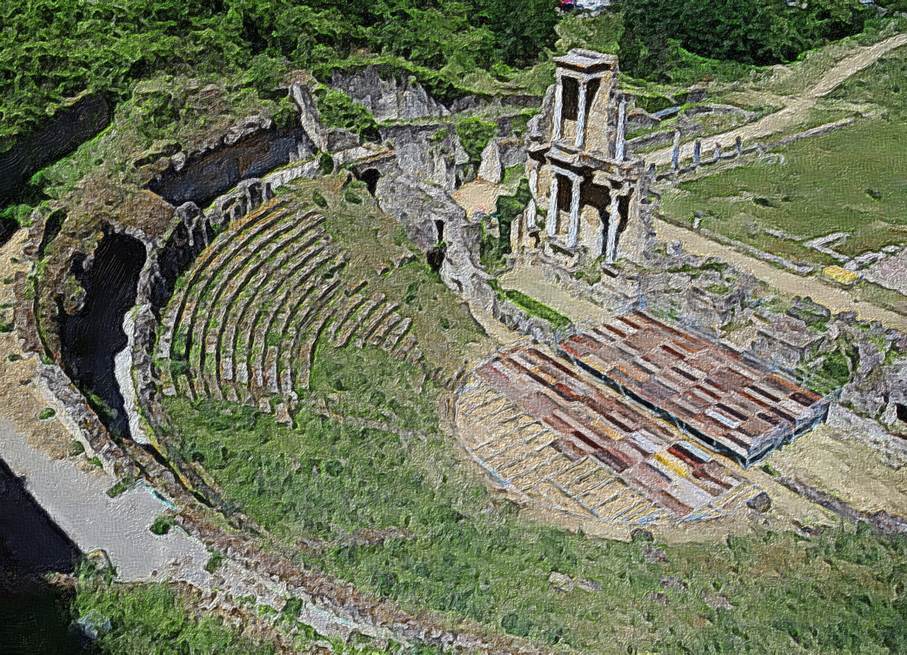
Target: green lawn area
<point x="851" y="181"/>
<point x="405" y="518"/>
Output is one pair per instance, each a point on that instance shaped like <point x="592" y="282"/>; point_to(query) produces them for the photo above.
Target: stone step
<point x="392" y="341"/>
<point x="379" y="338"/>
<point x="309" y="323"/>
<point x="268" y="310"/>
<point x="233" y="277"/>
<point x="352" y="304"/>
<point x="307" y="354"/>
<point x="295" y="283"/>
<point x="215" y="255"/>
<point x="377" y="319"/>
<point x="250" y="291"/>
<point x="355" y="321"/>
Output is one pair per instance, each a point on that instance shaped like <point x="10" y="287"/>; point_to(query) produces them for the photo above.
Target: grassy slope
<point x="154" y="620"/>
<point x="378" y="251"/>
<point x="462" y="554"/>
<point x="850" y="180"/>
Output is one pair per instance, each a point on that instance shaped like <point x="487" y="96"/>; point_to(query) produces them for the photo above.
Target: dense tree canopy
<point x="51" y="50"/>
<point x="747" y="31"/>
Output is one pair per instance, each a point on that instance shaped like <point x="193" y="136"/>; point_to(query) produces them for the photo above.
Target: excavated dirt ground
<point x="20" y="398"/>
<point x="846" y="469"/>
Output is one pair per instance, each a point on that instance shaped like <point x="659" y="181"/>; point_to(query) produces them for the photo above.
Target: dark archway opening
<point x="435" y="258"/>
<point x="371" y="177"/>
<point x="439" y="226"/>
<point x="91" y="338"/>
<point x="901" y="412"/>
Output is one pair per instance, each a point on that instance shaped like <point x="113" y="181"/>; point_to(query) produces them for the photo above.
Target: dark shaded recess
<point x="439" y="226"/>
<point x="62" y="134"/>
<point x="34" y="616"/>
<point x="901" y="411"/>
<point x="7" y="228"/>
<point x="176" y="258"/>
<point x="91" y="338"/>
<point x="30" y="542"/>
<point x="211" y="174"/>
<point x="52" y="227"/>
<point x="370" y="177"/>
<point x="435" y="258"/>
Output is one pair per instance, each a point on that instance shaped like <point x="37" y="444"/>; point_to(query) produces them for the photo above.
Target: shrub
<point x="162" y="525"/>
<point x="214" y="562"/>
<point x="474" y="134"/>
<point x="338" y="110"/>
<point x="658" y="32"/>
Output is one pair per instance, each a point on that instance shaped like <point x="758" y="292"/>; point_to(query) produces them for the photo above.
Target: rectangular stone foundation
<point x="734" y="405"/>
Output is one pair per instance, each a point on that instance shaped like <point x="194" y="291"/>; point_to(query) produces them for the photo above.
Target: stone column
<point x="717" y="151"/>
<point x="675" y="151"/>
<point x="558" y="107"/>
<point x="573" y="235"/>
<point x="697" y="153"/>
<point x="738" y="145"/>
<point x="613" y="222"/>
<point x="580" y="140"/>
<point x="620" y="141"/>
<point x="532" y="212"/>
<point x="552" y="206"/>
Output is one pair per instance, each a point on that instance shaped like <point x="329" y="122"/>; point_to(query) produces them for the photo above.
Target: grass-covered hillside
<point x="367" y="484"/>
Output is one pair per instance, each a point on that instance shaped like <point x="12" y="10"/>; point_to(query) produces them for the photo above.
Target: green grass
<point x="162" y="525"/>
<point x="153" y="619"/>
<point x="466" y="555"/>
<point x="535" y="308"/>
<point x="398" y="513"/>
<point x="850" y="180"/>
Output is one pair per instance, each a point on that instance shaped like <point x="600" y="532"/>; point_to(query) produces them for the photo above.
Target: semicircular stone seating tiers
<point x="244" y="321"/>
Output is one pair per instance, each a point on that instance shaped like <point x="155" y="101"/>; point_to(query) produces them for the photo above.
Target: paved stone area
<point x="890" y="272"/>
<point x="78" y="503"/>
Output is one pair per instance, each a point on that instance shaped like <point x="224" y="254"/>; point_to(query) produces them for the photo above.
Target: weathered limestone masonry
<point x="588" y="199"/>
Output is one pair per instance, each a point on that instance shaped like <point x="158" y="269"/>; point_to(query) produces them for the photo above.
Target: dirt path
<point x="796" y="109"/>
<point x="837" y="300"/>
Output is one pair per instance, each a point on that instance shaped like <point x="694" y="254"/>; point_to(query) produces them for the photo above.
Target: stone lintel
<point x="586" y="61"/>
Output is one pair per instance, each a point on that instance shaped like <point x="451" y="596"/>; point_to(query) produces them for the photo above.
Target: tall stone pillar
<point x="620" y="143"/>
<point x="558" y="108"/>
<point x="580" y="140"/>
<point x="613" y="222"/>
<point x="675" y="151"/>
<point x="573" y="234"/>
<point x="697" y="153"/>
<point x="552" y="206"/>
<point x="532" y="212"/>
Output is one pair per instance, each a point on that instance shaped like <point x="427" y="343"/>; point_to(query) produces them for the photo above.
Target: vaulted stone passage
<point x="91" y="338"/>
<point x="371" y="177"/>
<point x="208" y="175"/>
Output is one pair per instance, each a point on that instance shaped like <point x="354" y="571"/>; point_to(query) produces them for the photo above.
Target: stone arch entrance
<point x="370" y="176"/>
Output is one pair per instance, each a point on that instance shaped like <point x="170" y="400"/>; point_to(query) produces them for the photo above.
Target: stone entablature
<point x="592" y="196"/>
